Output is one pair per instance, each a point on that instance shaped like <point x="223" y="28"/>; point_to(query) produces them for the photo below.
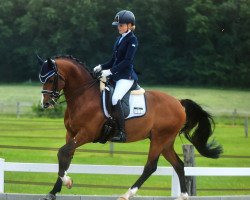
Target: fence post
<point x="189" y="161"/>
<point x="234" y="116"/>
<point x="246" y="127"/>
<point x="111" y="149"/>
<point x="1" y="175"/>
<point x="175" y="187"/>
<point x="17" y="109"/>
<point x="1" y="107"/>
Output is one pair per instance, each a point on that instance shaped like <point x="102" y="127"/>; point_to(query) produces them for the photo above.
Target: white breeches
<point x="121" y="88"/>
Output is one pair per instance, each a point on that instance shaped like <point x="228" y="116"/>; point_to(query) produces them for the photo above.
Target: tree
<point x="180" y="42"/>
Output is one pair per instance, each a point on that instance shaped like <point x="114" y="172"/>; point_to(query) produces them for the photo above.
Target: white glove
<point x="106" y="73"/>
<point x="97" y="68"/>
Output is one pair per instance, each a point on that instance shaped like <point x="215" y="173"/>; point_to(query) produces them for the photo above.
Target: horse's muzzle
<point x="45" y="105"/>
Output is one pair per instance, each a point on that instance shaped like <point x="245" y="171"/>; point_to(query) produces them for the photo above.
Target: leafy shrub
<point x="56" y="112"/>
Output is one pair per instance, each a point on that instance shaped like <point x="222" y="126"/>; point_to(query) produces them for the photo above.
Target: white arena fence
<point x="120" y="170"/>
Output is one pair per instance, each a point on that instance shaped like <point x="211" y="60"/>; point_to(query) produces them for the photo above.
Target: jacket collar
<point x="124" y="34"/>
<point x="128" y="35"/>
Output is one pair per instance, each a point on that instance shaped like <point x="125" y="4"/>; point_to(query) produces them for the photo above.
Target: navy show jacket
<point x="122" y="62"/>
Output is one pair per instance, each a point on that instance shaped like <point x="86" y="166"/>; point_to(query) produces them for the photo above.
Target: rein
<point x="89" y="84"/>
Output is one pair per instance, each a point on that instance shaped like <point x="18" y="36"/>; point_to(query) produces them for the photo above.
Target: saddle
<point x="109" y="91"/>
<point x="133" y="105"/>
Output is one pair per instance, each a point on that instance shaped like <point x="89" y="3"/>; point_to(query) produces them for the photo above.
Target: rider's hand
<point x="97" y="68"/>
<point x="106" y="73"/>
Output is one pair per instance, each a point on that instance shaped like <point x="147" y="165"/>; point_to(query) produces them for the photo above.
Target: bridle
<point x="55" y="93"/>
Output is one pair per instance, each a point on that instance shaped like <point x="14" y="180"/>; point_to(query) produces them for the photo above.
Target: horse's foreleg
<point x="150" y="168"/>
<point x="64" y="155"/>
<point x="171" y="156"/>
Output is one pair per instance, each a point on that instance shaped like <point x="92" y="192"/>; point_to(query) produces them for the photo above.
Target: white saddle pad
<point x="137" y="103"/>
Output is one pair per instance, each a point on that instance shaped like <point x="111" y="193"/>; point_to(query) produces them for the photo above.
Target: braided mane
<point x="75" y="60"/>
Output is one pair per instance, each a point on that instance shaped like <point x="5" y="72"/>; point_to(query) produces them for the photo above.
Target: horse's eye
<point x="51" y="81"/>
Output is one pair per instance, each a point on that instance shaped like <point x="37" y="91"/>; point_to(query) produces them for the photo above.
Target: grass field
<point x="42" y="132"/>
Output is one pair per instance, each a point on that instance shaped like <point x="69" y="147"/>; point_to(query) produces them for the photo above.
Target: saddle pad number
<point x="138" y="110"/>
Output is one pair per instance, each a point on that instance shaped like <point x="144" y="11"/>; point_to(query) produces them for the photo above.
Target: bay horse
<point x="166" y="117"/>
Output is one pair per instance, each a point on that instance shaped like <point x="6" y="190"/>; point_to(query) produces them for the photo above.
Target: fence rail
<point x="111" y="151"/>
<point x="120" y="170"/>
<point x="16" y="108"/>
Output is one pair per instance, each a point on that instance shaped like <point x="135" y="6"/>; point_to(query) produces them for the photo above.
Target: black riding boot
<point x="120" y="135"/>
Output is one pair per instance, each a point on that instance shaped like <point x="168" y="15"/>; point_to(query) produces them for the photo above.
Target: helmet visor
<point x="116" y="20"/>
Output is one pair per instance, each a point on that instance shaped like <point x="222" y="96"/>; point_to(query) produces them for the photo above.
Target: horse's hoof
<point x="49" y="197"/>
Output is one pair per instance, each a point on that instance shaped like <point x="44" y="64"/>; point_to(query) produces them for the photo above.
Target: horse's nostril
<point x="45" y="105"/>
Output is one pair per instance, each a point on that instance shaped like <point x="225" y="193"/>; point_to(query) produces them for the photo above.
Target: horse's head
<point x="52" y="82"/>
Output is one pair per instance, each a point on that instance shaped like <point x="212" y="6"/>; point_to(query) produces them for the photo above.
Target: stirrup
<point x="120" y="137"/>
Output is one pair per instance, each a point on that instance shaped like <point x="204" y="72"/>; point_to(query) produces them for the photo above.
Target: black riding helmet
<point x="124" y="17"/>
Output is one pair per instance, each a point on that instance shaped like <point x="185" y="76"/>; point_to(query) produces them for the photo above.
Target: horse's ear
<point x="39" y="60"/>
<point x="51" y="64"/>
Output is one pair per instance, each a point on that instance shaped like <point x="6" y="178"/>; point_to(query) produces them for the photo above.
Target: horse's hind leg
<point x="149" y="168"/>
<point x="171" y="156"/>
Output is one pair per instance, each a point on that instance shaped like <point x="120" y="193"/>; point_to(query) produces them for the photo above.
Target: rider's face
<point x="122" y="28"/>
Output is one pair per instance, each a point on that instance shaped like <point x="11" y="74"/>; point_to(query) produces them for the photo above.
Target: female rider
<point x="120" y="67"/>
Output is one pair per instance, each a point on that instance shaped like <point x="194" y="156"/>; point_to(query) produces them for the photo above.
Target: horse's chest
<point x="71" y="127"/>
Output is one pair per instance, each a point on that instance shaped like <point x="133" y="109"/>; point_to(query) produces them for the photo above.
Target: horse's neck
<point x="78" y="85"/>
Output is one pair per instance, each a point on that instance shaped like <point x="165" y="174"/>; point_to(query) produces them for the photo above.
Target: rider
<point x="120" y="67"/>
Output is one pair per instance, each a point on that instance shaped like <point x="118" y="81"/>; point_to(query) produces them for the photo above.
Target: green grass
<point x="11" y="94"/>
<point x="26" y="132"/>
<point x="20" y="92"/>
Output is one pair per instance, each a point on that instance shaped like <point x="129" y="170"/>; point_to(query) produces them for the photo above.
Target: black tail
<point x="196" y="116"/>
